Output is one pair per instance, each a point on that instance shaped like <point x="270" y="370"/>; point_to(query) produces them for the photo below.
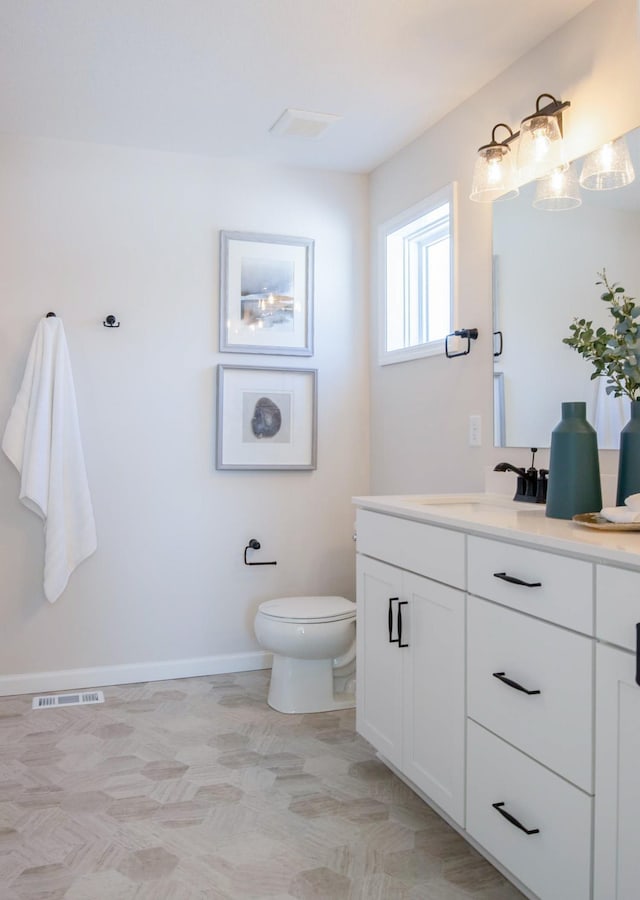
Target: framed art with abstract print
<point x="266" y="294"/>
<point x="266" y="418"/>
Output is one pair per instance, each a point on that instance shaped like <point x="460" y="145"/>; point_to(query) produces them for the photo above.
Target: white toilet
<point x="313" y="641"/>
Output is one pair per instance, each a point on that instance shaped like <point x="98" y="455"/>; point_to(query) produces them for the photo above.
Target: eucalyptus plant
<point x="614" y="354"/>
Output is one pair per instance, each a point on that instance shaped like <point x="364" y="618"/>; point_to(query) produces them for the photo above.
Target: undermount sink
<point x="479" y="500"/>
<point x="470" y="503"/>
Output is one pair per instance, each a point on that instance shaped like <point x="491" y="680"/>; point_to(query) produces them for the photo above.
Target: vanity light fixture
<point x="558" y="190"/>
<point x="540" y="152"/>
<point x="541" y="149"/>
<point x="494" y="172"/>
<point x="608" y="167"/>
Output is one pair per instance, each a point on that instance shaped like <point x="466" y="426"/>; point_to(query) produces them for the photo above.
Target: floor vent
<point x="67" y="699"/>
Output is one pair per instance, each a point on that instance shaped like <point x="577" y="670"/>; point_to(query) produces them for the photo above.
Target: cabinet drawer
<point x="554" y="726"/>
<point x="556" y="588"/>
<point x="425" y="549"/>
<point x="617" y="606"/>
<point x="554" y="863"/>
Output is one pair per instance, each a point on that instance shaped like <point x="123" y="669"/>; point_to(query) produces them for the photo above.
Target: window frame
<point x="447" y="194"/>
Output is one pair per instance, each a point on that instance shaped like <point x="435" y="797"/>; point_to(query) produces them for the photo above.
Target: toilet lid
<point x="305" y="609"/>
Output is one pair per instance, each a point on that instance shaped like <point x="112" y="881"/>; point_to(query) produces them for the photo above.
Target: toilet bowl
<point x="313" y="641"/>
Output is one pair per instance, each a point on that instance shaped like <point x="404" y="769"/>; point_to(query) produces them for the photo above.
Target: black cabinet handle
<point x="392" y="640"/>
<point x="638" y="653"/>
<point x="514" y="684"/>
<point x="400" y="605"/>
<point x="513" y="820"/>
<point x="512" y="580"/>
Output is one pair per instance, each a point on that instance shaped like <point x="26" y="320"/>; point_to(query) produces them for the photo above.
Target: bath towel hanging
<point x="42" y="440"/>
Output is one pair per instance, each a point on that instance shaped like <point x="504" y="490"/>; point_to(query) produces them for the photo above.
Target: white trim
<point x="432" y="348"/>
<point x="447" y="194"/>
<point x="70" y="679"/>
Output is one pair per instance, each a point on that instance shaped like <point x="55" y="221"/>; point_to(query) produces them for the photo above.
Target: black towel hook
<point x="50" y="315"/>
<point x="111" y="322"/>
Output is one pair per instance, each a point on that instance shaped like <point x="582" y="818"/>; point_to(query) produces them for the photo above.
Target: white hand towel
<point x="42" y="440"/>
<point x="622" y="515"/>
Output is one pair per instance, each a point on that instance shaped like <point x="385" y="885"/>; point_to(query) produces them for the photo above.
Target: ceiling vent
<point x="302" y="124"/>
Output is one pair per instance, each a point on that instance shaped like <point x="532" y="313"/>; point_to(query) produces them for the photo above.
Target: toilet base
<point x="306" y="686"/>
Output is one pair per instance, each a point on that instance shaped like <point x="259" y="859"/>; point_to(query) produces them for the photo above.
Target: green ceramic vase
<point x="574" y="469"/>
<point x="629" y="457"/>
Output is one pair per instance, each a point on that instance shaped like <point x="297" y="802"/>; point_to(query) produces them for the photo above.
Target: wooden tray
<point x="595" y="520"/>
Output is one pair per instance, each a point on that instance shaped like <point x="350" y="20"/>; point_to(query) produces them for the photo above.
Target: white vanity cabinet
<point x="520" y="673"/>
<point x="410" y="651"/>
<point x="617" y="823"/>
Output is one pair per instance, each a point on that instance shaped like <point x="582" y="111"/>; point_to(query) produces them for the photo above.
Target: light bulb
<point x="608" y="168"/>
<point x="493" y="177"/>
<point x="558" y="191"/>
<point x="540" y="148"/>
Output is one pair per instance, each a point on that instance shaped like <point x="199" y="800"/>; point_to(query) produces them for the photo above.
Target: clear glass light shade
<point x="540" y="147"/>
<point x="559" y="190"/>
<point x="608" y="167"/>
<point x="494" y="174"/>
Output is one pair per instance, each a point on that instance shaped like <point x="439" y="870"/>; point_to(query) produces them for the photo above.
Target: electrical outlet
<point x="475" y="431"/>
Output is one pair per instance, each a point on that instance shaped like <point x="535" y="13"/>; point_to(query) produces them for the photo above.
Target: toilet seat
<point x="308" y="609"/>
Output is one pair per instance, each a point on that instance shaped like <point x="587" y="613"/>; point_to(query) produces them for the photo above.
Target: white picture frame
<point x="266" y="418"/>
<point x="266" y="294"/>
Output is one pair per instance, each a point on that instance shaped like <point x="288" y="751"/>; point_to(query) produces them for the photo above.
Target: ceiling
<point x="212" y="76"/>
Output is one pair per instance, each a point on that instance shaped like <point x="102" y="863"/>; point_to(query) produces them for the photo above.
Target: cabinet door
<point x="378" y="660"/>
<point x="617" y="861"/>
<point x="434" y="692"/>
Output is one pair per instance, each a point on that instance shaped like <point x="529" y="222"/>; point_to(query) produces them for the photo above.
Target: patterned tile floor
<point x="197" y="789"/>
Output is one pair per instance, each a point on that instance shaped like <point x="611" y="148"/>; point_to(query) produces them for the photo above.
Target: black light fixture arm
<point x="553" y="108"/>
<point x="496" y="143"/>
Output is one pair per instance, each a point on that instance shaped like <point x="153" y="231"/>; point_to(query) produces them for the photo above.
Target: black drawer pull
<point x="392" y="640"/>
<point x="512" y="580"/>
<point x="513" y="819"/>
<point x="514" y="684"/>
<point x="638" y="653"/>
<point x="400" y="605"/>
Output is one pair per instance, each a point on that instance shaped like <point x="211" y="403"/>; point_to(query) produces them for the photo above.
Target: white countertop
<point x="493" y="515"/>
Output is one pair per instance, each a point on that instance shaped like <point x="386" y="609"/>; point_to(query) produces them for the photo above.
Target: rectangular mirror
<point x="545" y="269"/>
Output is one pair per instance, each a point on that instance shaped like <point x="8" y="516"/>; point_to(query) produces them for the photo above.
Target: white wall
<point x="87" y="231"/>
<point x="420" y="410"/>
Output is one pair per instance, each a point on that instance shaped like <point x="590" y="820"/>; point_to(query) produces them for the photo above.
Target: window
<point x="416" y="250"/>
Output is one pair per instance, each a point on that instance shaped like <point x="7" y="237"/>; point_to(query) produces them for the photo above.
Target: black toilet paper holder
<point x="255" y="545"/>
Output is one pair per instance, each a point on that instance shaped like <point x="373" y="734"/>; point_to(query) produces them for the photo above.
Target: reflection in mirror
<point x="546" y="267"/>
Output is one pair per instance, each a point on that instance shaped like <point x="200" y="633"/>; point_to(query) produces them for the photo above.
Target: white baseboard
<point x="73" y="679"/>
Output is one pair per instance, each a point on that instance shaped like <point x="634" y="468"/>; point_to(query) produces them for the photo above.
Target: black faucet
<point x="532" y="484"/>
